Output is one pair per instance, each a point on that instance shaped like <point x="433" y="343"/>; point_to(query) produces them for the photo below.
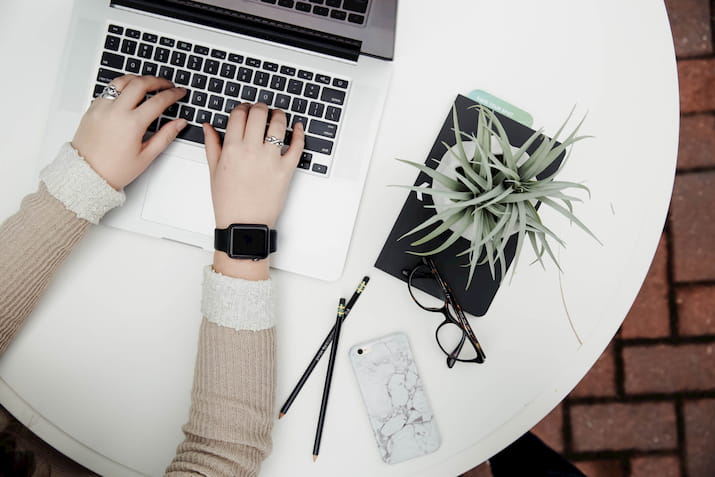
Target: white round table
<point x="103" y="369"/>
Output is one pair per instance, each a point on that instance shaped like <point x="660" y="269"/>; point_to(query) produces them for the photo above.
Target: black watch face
<point x="249" y="241"/>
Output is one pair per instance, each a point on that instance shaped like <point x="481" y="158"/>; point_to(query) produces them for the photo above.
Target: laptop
<point x="326" y="63"/>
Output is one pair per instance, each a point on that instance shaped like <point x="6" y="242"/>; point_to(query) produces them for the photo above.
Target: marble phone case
<point x="396" y="403"/>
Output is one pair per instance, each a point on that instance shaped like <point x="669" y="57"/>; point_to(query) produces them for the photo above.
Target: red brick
<point x="690" y="24"/>
<point x="669" y="368"/>
<point x="697" y="81"/>
<point x="692" y="217"/>
<point x="550" y="429"/>
<point x="650" y="466"/>
<point x="649" y="317"/>
<point x="620" y="426"/>
<point x="700" y="437"/>
<point x="601" y="468"/>
<point x="601" y="379"/>
<point x="697" y="142"/>
<point x="482" y="470"/>
<point x="696" y="310"/>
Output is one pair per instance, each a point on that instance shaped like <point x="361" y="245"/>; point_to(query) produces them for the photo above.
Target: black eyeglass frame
<point x="460" y="320"/>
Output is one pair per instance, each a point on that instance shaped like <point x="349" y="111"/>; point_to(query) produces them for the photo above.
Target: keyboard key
<point x="340" y="83"/>
<point x="322" y="79"/>
<point x="230" y="104"/>
<point x="272" y="2"/>
<point x="317" y="144"/>
<point x="145" y="50"/>
<point x="306" y="75"/>
<point x="172" y="110"/>
<point x="359" y="6"/>
<point x="203" y="116"/>
<point x="192" y="133"/>
<point x="316" y="109"/>
<point x="186" y="98"/>
<point x="220" y="121"/>
<point x="249" y="93"/>
<point x="302" y="6"/>
<point x="198" y="81"/>
<point x="320" y="168"/>
<point x="132" y="33"/>
<point x="305" y="159"/>
<point x="299" y="119"/>
<point x="112" y="43"/>
<point x="220" y="54"/>
<point x="338" y="14"/>
<point x="164" y="41"/>
<point x="322" y="11"/>
<point x="255" y="62"/>
<point x="187" y="112"/>
<point x="112" y="60"/>
<point x="355" y="18"/>
<point x="129" y="47"/>
<point x="195" y="62"/>
<point x="261" y="78"/>
<point x="199" y="98"/>
<point x="312" y="90"/>
<point x="228" y="70"/>
<point x="332" y="113"/>
<point x="149" y="68"/>
<point x="166" y="72"/>
<point x="234" y="58"/>
<point x="299" y="105"/>
<point x="211" y="67"/>
<point x="319" y="2"/>
<point x="216" y="102"/>
<point x="161" y="55"/>
<point x="278" y="82"/>
<point x="333" y="96"/>
<point x="106" y="76"/>
<point x="215" y="85"/>
<point x="286" y="3"/>
<point x="288" y="70"/>
<point x="133" y="65"/>
<point x="267" y="65"/>
<point x="178" y="58"/>
<point x="150" y="37"/>
<point x="266" y="97"/>
<point x="295" y="86"/>
<point x="201" y="50"/>
<point x="232" y="89"/>
<point x="182" y="77"/>
<point x="321" y="128"/>
<point x="282" y="101"/>
<point x="116" y="29"/>
<point x="333" y="3"/>
<point x="244" y="74"/>
<point x="182" y="45"/>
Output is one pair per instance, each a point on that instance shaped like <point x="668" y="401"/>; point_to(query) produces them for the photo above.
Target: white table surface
<point x="103" y="368"/>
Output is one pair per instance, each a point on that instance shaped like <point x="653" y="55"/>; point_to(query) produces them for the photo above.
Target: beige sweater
<point x="231" y="416"/>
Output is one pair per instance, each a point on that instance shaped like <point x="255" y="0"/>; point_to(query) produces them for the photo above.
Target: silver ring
<point x="110" y="92"/>
<point x="273" y="140"/>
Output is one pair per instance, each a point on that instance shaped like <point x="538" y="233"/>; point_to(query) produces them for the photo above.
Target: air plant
<point x="492" y="196"/>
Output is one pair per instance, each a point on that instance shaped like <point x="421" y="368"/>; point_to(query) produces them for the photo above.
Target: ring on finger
<point x="110" y="92"/>
<point x="273" y="140"/>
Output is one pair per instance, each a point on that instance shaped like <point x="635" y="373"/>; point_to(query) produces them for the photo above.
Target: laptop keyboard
<point x="347" y="11"/>
<point x="218" y="80"/>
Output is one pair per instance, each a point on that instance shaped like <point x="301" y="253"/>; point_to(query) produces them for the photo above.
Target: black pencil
<point x="319" y="354"/>
<point x="328" y="378"/>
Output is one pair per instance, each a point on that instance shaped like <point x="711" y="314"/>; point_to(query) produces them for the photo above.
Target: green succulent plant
<point x="494" y="195"/>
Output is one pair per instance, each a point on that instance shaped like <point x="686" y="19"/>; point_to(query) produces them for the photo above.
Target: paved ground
<point x="647" y="408"/>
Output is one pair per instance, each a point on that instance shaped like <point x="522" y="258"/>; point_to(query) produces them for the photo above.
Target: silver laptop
<point x="326" y="63"/>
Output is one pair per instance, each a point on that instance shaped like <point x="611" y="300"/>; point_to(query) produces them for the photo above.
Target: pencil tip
<point x="281" y="414"/>
<point x="315" y="457"/>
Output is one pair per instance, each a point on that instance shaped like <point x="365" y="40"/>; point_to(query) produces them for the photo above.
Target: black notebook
<point x="394" y="258"/>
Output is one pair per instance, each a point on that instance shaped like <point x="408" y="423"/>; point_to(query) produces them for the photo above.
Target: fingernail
<point x="299" y="124"/>
<point x="181" y="124"/>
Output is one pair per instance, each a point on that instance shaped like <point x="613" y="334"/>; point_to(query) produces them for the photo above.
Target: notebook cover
<point x="393" y="258"/>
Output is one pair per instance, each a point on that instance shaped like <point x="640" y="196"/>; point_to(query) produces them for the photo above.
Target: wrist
<point x="245" y="269"/>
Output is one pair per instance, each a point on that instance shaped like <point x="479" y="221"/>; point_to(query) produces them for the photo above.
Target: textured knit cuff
<point x="74" y="183"/>
<point x="237" y="303"/>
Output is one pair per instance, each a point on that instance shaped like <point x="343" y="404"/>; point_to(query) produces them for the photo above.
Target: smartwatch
<point x="246" y="241"/>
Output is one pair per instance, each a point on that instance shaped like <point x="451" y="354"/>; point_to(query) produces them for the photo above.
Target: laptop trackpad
<point x="179" y="195"/>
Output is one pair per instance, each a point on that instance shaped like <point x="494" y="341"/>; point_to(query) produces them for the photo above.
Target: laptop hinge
<point x="250" y="25"/>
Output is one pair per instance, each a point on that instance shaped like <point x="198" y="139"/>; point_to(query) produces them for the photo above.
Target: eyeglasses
<point x="454" y="335"/>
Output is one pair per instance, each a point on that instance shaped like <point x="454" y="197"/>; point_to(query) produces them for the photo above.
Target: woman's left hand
<point x="110" y="135"/>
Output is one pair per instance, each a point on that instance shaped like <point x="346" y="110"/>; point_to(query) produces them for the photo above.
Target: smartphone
<point x="400" y="414"/>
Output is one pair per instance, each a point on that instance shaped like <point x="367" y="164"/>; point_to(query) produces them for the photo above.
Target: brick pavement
<point x="647" y="407"/>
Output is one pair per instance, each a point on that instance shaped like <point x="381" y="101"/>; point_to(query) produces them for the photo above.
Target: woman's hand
<point x="249" y="177"/>
<point x="110" y="135"/>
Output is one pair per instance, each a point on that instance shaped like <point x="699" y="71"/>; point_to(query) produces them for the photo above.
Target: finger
<point x="277" y="126"/>
<point x="161" y="140"/>
<point x="213" y="146"/>
<point x="154" y="106"/>
<point x="256" y="124"/>
<point x="137" y="88"/>
<point x="120" y="83"/>
<point x="297" y="143"/>
<point x="236" y="124"/>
